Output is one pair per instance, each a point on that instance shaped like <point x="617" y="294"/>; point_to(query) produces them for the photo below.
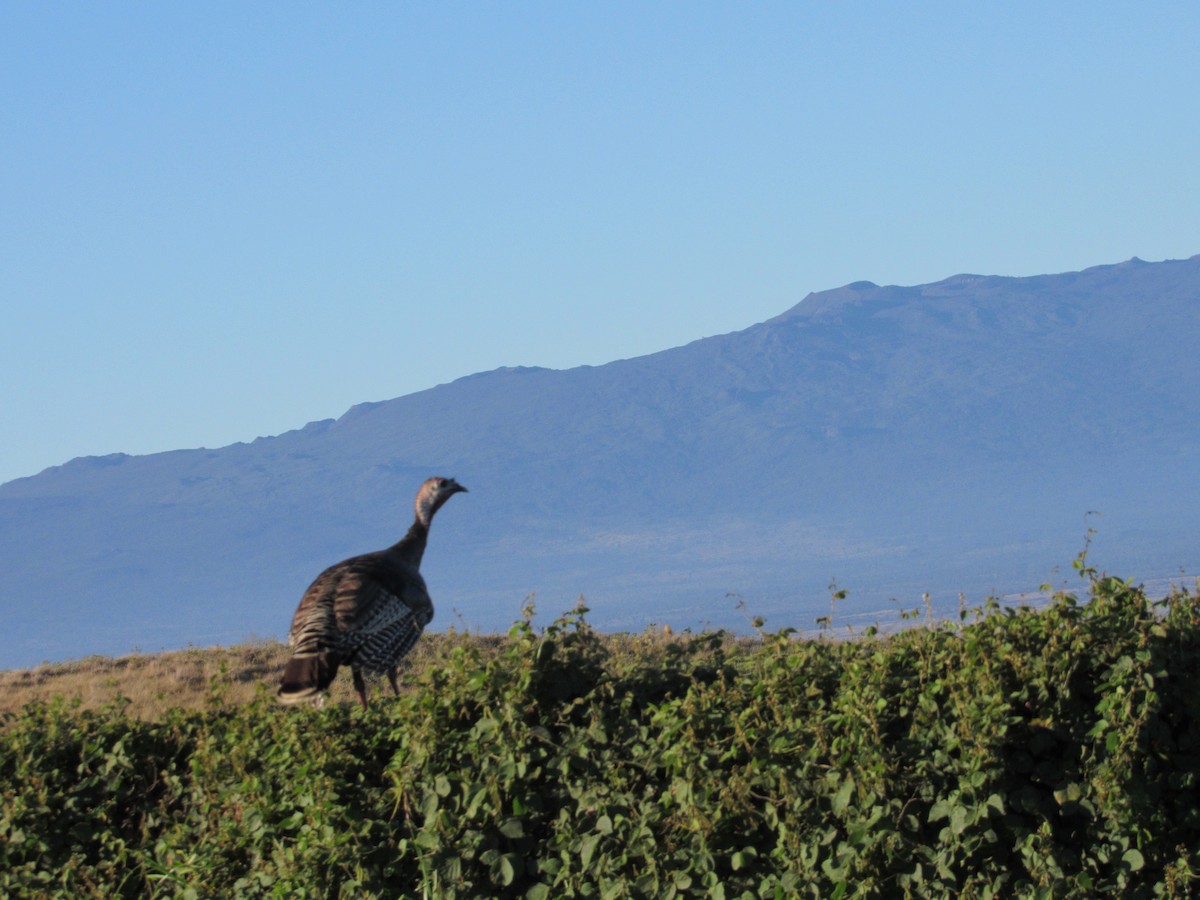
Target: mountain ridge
<point x="862" y="433"/>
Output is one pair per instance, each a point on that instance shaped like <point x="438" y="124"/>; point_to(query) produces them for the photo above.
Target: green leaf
<point x="507" y="868"/>
<point x="1133" y="858"/>
<point x="512" y="828"/>
<point x="743" y="858"/>
<point x="958" y="820"/>
<point x="841" y="800"/>
<point x="1072" y="792"/>
<point x="587" y="850"/>
<point x="476" y="801"/>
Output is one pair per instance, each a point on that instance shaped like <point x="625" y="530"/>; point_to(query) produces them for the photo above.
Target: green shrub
<point x="1030" y="753"/>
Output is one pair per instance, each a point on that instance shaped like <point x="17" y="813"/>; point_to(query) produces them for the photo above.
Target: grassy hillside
<point x="147" y="686"/>
<point x="1017" y="753"/>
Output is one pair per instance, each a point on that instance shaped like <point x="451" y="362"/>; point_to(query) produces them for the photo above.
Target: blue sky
<point x="224" y="220"/>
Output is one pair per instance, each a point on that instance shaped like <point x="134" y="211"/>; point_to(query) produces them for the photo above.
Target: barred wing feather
<point x="378" y="627"/>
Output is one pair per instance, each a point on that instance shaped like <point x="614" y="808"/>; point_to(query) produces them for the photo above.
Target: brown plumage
<point x="366" y="612"/>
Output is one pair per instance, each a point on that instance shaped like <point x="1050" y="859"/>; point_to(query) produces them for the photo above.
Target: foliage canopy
<point x="1038" y="753"/>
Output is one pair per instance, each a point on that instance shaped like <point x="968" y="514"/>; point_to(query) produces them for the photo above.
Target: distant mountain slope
<point x="943" y="437"/>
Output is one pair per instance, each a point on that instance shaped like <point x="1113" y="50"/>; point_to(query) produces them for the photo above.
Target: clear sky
<point x="224" y="220"/>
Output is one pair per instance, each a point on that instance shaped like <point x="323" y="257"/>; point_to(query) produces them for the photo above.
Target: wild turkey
<point x="366" y="612"/>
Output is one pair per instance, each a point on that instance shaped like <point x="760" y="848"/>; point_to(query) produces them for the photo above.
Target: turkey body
<point x="365" y="612"/>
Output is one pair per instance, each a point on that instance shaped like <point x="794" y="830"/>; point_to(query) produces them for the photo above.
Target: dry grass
<point x="190" y="679"/>
<point x="198" y="677"/>
<point x="152" y="683"/>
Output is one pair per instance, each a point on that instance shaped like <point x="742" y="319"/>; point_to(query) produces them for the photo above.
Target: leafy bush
<point x="1026" y="753"/>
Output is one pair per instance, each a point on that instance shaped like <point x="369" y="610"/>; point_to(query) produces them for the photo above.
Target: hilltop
<point x="147" y="685"/>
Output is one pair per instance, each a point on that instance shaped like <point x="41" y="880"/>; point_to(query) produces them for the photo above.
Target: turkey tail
<point x="305" y="677"/>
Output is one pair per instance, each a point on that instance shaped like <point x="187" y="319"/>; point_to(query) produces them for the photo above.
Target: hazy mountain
<point x="945" y="437"/>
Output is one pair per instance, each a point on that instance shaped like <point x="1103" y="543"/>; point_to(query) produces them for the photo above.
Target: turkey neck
<point x="412" y="546"/>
